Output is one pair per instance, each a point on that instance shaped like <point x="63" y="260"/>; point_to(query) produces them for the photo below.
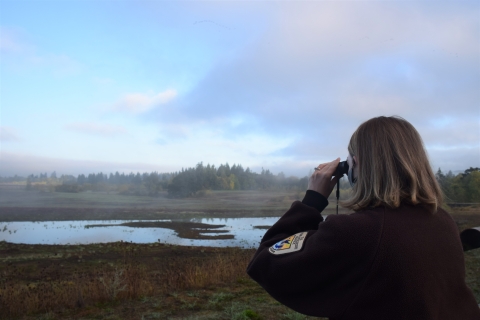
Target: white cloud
<point x="140" y="103"/>
<point x="8" y="134"/>
<point x="322" y="68"/>
<point x="96" y="129"/>
<point x="9" y="41"/>
<point x="24" y="164"/>
<point x="312" y="72"/>
<point x="455" y="159"/>
<point x="450" y="133"/>
<point x="315" y="30"/>
<point x="359" y="106"/>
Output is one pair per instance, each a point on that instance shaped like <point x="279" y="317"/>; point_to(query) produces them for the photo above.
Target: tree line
<point x="462" y="188"/>
<point x="196" y="181"/>
<point x="185" y="183"/>
<point x="191" y="181"/>
<point x="133" y="184"/>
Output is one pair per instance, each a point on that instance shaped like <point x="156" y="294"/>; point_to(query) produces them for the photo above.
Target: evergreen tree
<point x="81" y="179"/>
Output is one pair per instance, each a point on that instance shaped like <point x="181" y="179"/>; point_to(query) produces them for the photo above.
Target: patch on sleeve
<point x="289" y="245"/>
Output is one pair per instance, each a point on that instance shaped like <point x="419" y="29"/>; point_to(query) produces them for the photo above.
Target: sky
<point x="142" y="86"/>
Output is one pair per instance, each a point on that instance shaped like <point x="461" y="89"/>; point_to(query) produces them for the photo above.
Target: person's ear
<point x="355" y="161"/>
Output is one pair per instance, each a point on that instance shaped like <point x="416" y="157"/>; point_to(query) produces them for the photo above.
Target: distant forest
<point x="185" y="183"/>
<point x="199" y="180"/>
<point x="462" y="188"/>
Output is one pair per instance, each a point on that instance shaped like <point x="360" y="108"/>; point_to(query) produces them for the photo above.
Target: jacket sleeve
<point x="323" y="276"/>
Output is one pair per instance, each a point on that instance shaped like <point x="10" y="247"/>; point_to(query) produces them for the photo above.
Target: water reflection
<point x="214" y="232"/>
<point x="184" y="229"/>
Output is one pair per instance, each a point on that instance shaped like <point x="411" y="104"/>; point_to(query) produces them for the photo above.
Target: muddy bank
<point x="186" y="230"/>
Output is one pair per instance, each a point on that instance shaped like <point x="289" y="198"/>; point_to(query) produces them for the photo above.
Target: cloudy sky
<point x="90" y="86"/>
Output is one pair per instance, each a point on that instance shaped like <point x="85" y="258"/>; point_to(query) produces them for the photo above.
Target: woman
<point x="398" y="256"/>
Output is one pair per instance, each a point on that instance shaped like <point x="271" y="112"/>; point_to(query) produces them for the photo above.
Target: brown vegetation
<point x="466" y="217"/>
<point x="35" y="280"/>
<point x="135" y="281"/>
<point x="147" y="281"/>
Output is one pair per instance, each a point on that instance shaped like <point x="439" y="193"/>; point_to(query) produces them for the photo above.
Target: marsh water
<point x="214" y="232"/>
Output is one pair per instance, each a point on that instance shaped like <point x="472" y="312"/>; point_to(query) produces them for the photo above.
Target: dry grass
<point x="124" y="280"/>
<point x="140" y="281"/>
<point x="25" y="290"/>
<point x="466" y="217"/>
<point x="215" y="270"/>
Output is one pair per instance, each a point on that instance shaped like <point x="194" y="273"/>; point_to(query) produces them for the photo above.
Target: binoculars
<point x="342" y="169"/>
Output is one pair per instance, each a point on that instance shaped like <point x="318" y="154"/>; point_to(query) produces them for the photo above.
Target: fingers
<point x="329" y="167"/>
<point x="321" y="166"/>
<point x="321" y="180"/>
<point x="333" y="164"/>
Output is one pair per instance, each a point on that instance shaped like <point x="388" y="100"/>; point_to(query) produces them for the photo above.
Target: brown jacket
<point x="379" y="263"/>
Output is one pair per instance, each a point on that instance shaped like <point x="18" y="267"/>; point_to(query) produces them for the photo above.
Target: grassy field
<point x="141" y="281"/>
<point x="147" y="281"/>
<point x="131" y="281"/>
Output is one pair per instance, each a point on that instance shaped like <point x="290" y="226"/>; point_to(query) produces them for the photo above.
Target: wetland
<point x="133" y="275"/>
<point x="216" y="232"/>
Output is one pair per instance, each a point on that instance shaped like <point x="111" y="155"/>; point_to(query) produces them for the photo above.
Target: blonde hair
<point x="393" y="166"/>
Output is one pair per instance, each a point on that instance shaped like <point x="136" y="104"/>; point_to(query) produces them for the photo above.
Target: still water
<point x="218" y="232"/>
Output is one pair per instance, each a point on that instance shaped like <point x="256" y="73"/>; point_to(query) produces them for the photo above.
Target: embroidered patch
<point x="288" y="245"/>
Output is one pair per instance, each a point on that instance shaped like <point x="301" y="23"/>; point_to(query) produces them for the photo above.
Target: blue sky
<point x="90" y="86"/>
